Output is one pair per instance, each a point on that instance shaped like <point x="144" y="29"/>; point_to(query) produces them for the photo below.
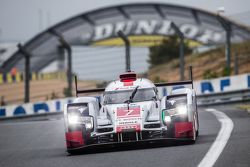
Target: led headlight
<point x="75" y="119"/>
<point x="88" y="122"/>
<point x="182" y="110"/>
<point x="166" y="117"/>
<point x="167" y="114"/>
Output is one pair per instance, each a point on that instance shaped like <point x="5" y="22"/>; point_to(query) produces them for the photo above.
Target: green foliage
<point x="102" y="84"/>
<point x="226" y="71"/>
<point x="66" y="92"/>
<point x="2" y="103"/>
<point x="168" y="50"/>
<point x="157" y="79"/>
<point x="208" y="74"/>
<point x="54" y="95"/>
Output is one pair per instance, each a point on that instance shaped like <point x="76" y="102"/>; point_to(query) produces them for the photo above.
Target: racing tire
<point x="197" y="133"/>
<point x="197" y="120"/>
<point x="197" y="125"/>
<point x="193" y="140"/>
<point x="171" y="132"/>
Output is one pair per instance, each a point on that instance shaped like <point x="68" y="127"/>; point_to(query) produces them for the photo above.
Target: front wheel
<point x="194" y="134"/>
<point x="196" y="125"/>
<point x="197" y="133"/>
<point x="171" y="132"/>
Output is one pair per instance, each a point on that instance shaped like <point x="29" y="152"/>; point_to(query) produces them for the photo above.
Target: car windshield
<point x="116" y="97"/>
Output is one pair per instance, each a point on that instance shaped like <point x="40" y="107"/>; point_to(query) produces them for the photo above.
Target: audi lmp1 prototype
<point x="130" y="110"/>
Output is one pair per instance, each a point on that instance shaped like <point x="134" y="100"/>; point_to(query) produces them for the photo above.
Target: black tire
<point x="198" y="124"/>
<point x="171" y="131"/>
<point x="197" y="133"/>
<point x="192" y="141"/>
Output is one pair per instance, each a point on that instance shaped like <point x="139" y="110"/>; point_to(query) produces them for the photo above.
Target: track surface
<point x="41" y="143"/>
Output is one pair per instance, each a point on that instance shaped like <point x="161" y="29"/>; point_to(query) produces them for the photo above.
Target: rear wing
<point x="176" y="95"/>
<point x="96" y="90"/>
<point x="187" y="82"/>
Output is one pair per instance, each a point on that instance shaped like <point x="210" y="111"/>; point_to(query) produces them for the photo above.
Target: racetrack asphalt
<point x="42" y="144"/>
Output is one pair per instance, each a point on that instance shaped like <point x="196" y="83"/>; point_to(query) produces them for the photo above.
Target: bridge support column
<point x="27" y="56"/>
<point x="227" y="27"/>
<point x="66" y="45"/>
<point x="181" y="51"/>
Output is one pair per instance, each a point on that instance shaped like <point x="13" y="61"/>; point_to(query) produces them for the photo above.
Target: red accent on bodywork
<point x="183" y="129"/>
<point x="124" y="112"/>
<point x="74" y="139"/>
<point x="129" y="118"/>
<point x="135" y="127"/>
<point x="127" y="83"/>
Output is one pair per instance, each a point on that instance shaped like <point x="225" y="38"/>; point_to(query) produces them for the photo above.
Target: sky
<point x="20" y="20"/>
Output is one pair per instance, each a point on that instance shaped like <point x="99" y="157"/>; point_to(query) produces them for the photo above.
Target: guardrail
<point x="54" y="107"/>
<point x="28" y="109"/>
<point x="34" y="117"/>
<point x="236" y="96"/>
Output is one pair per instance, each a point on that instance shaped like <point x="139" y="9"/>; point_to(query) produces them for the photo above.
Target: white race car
<point x="131" y="111"/>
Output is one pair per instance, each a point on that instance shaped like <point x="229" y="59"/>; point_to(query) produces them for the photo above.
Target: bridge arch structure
<point x="99" y="27"/>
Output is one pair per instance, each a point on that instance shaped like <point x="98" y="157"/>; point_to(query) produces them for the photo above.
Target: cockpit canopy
<point x="118" y="97"/>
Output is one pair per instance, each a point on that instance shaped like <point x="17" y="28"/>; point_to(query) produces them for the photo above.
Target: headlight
<point x="167" y="119"/>
<point x="181" y="110"/>
<point x="78" y="116"/>
<point x="88" y="122"/>
<point x="178" y="111"/>
<point x="75" y="119"/>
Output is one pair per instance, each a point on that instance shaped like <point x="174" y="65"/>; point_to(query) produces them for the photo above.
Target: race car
<point x="130" y="110"/>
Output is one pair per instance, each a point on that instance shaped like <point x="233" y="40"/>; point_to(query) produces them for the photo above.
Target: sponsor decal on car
<point x="128" y="118"/>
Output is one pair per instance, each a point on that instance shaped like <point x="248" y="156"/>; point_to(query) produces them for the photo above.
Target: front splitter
<point x="144" y="141"/>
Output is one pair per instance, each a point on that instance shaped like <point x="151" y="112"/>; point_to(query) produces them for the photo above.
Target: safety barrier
<point x="210" y="92"/>
<point x="19" y="77"/>
<point x="28" y="109"/>
<point x="218" y="85"/>
<point x="53" y="106"/>
<point x="223" y="84"/>
<point x="229" y="97"/>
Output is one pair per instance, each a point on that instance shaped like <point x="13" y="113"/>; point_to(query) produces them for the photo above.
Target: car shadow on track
<point x="131" y="146"/>
<point x="205" y="138"/>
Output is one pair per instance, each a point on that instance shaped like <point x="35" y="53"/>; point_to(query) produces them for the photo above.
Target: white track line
<point x="221" y="140"/>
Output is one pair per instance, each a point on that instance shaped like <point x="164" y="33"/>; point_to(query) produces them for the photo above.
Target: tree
<point x="167" y="51"/>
